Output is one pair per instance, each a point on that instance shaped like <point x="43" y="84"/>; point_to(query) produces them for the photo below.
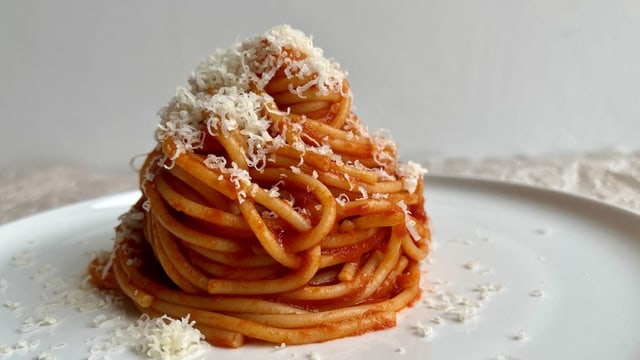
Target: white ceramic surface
<point x="565" y="271"/>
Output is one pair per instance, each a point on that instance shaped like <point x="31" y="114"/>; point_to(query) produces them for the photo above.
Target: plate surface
<point x="516" y="273"/>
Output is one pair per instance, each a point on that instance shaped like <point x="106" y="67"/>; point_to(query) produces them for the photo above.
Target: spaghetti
<point x="268" y="211"/>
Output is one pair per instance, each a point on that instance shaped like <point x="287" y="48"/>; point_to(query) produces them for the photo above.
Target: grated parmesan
<point x="410" y="172"/>
<point x="505" y="357"/>
<point x="342" y="199"/>
<point x="5" y="349"/>
<point x="472" y="265"/>
<point x="451" y="305"/>
<point x="536" y="293"/>
<point x="12" y="305"/>
<point x="220" y="98"/>
<point x="520" y="336"/>
<point x="437" y="320"/>
<point x="45" y="356"/>
<point x="30" y="324"/>
<point x="410" y="224"/>
<point x="162" y="338"/>
<point x="423" y="330"/>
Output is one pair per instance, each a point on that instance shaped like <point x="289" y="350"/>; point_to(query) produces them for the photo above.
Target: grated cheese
<point x="30" y="325"/>
<point x="57" y="346"/>
<point x="5" y="349"/>
<point x="363" y="192"/>
<point x="463" y="314"/>
<point x="380" y="196"/>
<point x="437" y="320"/>
<point x="505" y="357"/>
<point x="104" y="321"/>
<point x="485" y="289"/>
<point x="236" y="174"/>
<point x="410" y="224"/>
<point x="521" y="335"/>
<point x="410" y="172"/>
<point x="536" y="293"/>
<point x="342" y="199"/>
<point x="162" y="338"/>
<point x="220" y="97"/>
<point x="45" y="356"/>
<point x="452" y="305"/>
<point x="384" y="147"/>
<point x="175" y="339"/>
<point x="12" y="305"/>
<point x="472" y="265"/>
<point x="423" y="330"/>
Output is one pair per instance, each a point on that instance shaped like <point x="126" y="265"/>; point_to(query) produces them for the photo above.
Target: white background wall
<point x="81" y="81"/>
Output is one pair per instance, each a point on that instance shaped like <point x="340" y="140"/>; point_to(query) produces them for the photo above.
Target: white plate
<point x="581" y="257"/>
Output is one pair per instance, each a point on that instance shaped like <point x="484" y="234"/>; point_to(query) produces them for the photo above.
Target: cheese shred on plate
<point x="162" y="338"/>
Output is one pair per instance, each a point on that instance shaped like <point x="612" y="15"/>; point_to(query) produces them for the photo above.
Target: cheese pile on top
<point x="226" y="93"/>
<point x="222" y="86"/>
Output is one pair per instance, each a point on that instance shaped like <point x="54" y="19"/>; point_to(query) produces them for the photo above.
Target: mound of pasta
<point x="268" y="211"/>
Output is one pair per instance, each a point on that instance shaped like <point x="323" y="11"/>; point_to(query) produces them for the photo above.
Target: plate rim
<point x="438" y="178"/>
<point x="441" y="179"/>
